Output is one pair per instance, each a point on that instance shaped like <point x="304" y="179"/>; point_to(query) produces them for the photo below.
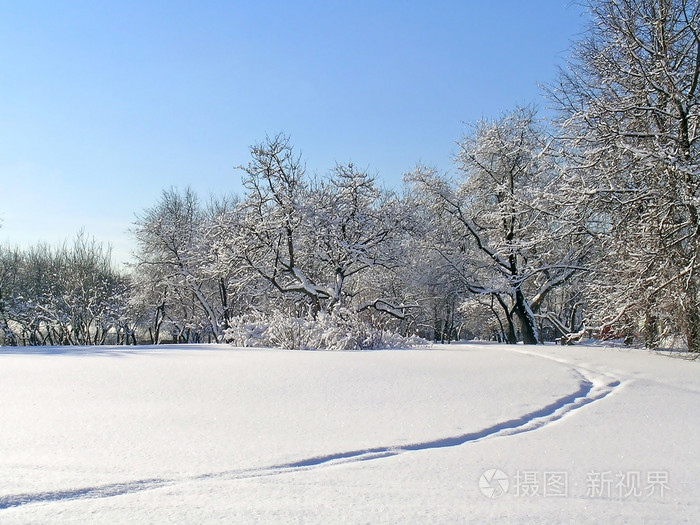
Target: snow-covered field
<point x="468" y="433"/>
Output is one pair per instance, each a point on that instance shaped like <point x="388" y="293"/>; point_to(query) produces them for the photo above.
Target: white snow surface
<point x="447" y="434"/>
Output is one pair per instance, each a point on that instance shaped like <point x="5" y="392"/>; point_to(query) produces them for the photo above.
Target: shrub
<point x="341" y="330"/>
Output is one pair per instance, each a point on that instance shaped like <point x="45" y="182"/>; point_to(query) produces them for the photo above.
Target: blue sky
<point x="105" y="104"/>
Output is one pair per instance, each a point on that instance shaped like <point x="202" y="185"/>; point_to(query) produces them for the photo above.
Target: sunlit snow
<point x="477" y="432"/>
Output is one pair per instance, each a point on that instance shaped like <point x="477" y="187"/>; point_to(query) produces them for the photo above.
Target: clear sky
<point x="105" y="104"/>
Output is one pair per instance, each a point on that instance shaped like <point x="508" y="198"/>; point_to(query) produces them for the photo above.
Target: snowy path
<point x="296" y="419"/>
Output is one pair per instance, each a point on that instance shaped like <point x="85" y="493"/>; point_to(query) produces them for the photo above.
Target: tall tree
<point x="499" y="227"/>
<point x="273" y="226"/>
<point x="629" y="103"/>
<point x="170" y="258"/>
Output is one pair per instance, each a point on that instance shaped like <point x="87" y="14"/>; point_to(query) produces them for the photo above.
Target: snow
<point x="210" y="433"/>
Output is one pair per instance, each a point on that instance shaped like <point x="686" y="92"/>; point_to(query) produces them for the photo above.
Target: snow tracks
<point x="591" y="387"/>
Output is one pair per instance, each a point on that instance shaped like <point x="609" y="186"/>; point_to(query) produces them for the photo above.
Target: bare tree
<point x="170" y="257"/>
<point x="315" y="239"/>
<point x="354" y="226"/>
<point x="70" y="295"/>
<point x="274" y="215"/>
<point x="500" y="228"/>
<point x="630" y="107"/>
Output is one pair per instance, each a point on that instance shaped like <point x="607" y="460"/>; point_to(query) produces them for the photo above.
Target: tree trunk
<point x="691" y="325"/>
<point x="526" y="318"/>
<point x="651" y="329"/>
<point x="509" y="333"/>
<point x="224" y="303"/>
<point x="692" y="335"/>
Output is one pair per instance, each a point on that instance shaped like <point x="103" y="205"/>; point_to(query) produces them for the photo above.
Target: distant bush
<point x="341" y="330"/>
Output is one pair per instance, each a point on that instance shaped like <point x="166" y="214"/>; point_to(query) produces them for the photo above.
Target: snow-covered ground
<point x="461" y="433"/>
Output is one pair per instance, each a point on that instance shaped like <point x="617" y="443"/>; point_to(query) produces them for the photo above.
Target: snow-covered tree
<point x="11" y="270"/>
<point x="274" y="222"/>
<point x="172" y="282"/>
<point x="316" y="240"/>
<point x="354" y="228"/>
<point x="500" y="228"/>
<point x="630" y="110"/>
<point x="67" y="295"/>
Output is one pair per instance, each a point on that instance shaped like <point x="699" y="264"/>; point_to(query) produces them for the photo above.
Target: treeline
<point x="69" y="295"/>
<point x="584" y="224"/>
